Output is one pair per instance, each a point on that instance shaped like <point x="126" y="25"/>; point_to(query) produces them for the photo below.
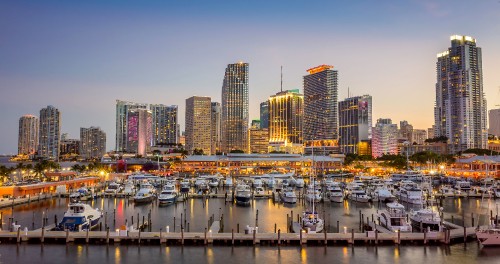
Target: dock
<point x="213" y="237"/>
<point x="9" y="202"/>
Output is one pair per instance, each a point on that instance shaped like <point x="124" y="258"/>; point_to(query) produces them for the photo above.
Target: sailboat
<point x="310" y="218"/>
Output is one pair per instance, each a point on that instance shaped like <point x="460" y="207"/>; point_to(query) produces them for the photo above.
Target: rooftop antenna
<point x="348" y="92"/>
<point x="282" y="78"/>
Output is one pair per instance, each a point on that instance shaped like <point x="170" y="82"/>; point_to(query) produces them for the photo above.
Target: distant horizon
<point x="81" y="57"/>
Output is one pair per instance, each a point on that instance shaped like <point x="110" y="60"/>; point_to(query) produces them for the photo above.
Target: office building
<point x="264" y="114"/>
<point x="164" y="124"/>
<point x="355" y="124"/>
<point x="215" y="128"/>
<point x="460" y="109"/>
<point x="235" y="119"/>
<point x="494" y="121"/>
<point x="199" y="124"/>
<point x="122" y="110"/>
<point x="139" y="131"/>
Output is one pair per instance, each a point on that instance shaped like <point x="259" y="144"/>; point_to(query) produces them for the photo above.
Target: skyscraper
<point x="49" y="133"/>
<point x="494" y="117"/>
<point x="215" y="127"/>
<point x="286" y="112"/>
<point x="235" y="108"/>
<point x="92" y="143"/>
<point x="139" y="131"/>
<point x="355" y="123"/>
<point x="320" y="107"/>
<point x="198" y="124"/>
<point x="28" y="135"/>
<point x="164" y="124"/>
<point x="264" y="114"/>
<point x="385" y="138"/>
<point x="122" y="108"/>
<point x="460" y="110"/>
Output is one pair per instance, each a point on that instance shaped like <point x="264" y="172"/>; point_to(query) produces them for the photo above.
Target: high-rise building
<point x="28" y="135"/>
<point x="49" y="133"/>
<point x="384" y="138"/>
<point x="92" y="143"/>
<point x="258" y="140"/>
<point x="494" y="117"/>
<point x="235" y="108"/>
<point x="69" y="148"/>
<point x="199" y="124"/>
<point x="164" y="124"/>
<point x="139" y="131"/>
<point x="355" y="124"/>
<point x="430" y="132"/>
<point x="321" y="108"/>
<point x="122" y="110"/>
<point x="215" y="128"/>
<point x="255" y="123"/>
<point x="264" y="114"/>
<point x="419" y="136"/>
<point x="460" y="110"/>
<point x="286" y="112"/>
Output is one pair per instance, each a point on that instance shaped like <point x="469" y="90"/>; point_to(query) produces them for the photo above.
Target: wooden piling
<point x="205" y="237"/>
<point x="107" y="235"/>
<point x="232" y="235"/>
<point x="279" y="237"/>
<point x="18" y="234"/>
<point x="254" y="231"/>
<point x="182" y="236"/>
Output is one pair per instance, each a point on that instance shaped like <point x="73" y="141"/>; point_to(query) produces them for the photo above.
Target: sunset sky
<point x="80" y="56"/>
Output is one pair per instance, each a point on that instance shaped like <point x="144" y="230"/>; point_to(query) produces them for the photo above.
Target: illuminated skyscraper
<point x="49" y="133"/>
<point x="355" y="123"/>
<point x="92" y="143"/>
<point x="28" y="135"/>
<point x="139" y="131"/>
<point x="215" y="127"/>
<point x="460" y="110"/>
<point x="320" y="108"/>
<point x="494" y="117"/>
<point x="235" y="108"/>
<point x="198" y="124"/>
<point x="286" y="111"/>
<point x="122" y="109"/>
<point x="164" y="124"/>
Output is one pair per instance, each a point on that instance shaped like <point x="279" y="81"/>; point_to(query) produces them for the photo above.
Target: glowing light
<point x="319" y="68"/>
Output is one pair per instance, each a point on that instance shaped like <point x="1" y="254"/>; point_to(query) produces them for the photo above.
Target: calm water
<point x="198" y="213"/>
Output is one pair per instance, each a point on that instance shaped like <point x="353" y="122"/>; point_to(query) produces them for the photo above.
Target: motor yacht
<point x="394" y="218"/>
<point x="79" y="217"/>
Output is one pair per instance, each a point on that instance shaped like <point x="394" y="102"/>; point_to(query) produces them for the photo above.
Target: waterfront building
<point x="264" y="114"/>
<point x="355" y="125"/>
<point x="320" y="129"/>
<point x="28" y="135"/>
<point x="440" y="148"/>
<point x="286" y="112"/>
<point x="494" y="145"/>
<point x="215" y="128"/>
<point x="122" y="110"/>
<point x="235" y="118"/>
<point x="460" y="109"/>
<point x="384" y="138"/>
<point x="69" y="148"/>
<point x="419" y="136"/>
<point x="165" y="125"/>
<point x="494" y="121"/>
<point x="198" y="124"/>
<point x="139" y="131"/>
<point x="92" y="143"/>
<point x="49" y="133"/>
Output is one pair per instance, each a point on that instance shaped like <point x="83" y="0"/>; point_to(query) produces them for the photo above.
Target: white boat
<point x="489" y="236"/>
<point x="79" y="217"/>
<point x="213" y="182"/>
<point x="336" y="194"/>
<point x="410" y="193"/>
<point x="313" y="194"/>
<point x="383" y="194"/>
<point x="243" y="194"/>
<point x="168" y="194"/>
<point x="228" y="182"/>
<point x="259" y="192"/>
<point x="201" y="183"/>
<point x="74" y="197"/>
<point x="496" y="191"/>
<point x="129" y="189"/>
<point x="394" y="218"/>
<point x="299" y="182"/>
<point x="288" y="196"/>
<point x="112" y="189"/>
<point x="357" y="193"/>
<point x="257" y="181"/>
<point x="146" y="194"/>
<point x="311" y="222"/>
<point x="462" y="187"/>
<point x="414" y="176"/>
<point x="425" y="219"/>
<point x="446" y="191"/>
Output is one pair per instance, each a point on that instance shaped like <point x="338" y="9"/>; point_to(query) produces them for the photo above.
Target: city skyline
<point x="82" y="75"/>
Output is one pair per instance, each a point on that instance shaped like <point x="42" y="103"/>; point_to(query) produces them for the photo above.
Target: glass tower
<point x="235" y="108"/>
<point x="164" y="124"/>
<point x="355" y="123"/>
<point x="122" y="109"/>
<point x="49" y="133"/>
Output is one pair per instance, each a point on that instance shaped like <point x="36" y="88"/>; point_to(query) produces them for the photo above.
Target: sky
<point x="80" y="56"/>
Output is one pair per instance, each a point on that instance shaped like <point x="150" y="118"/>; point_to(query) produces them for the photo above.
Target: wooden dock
<point x="213" y="237"/>
<point x="5" y="202"/>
